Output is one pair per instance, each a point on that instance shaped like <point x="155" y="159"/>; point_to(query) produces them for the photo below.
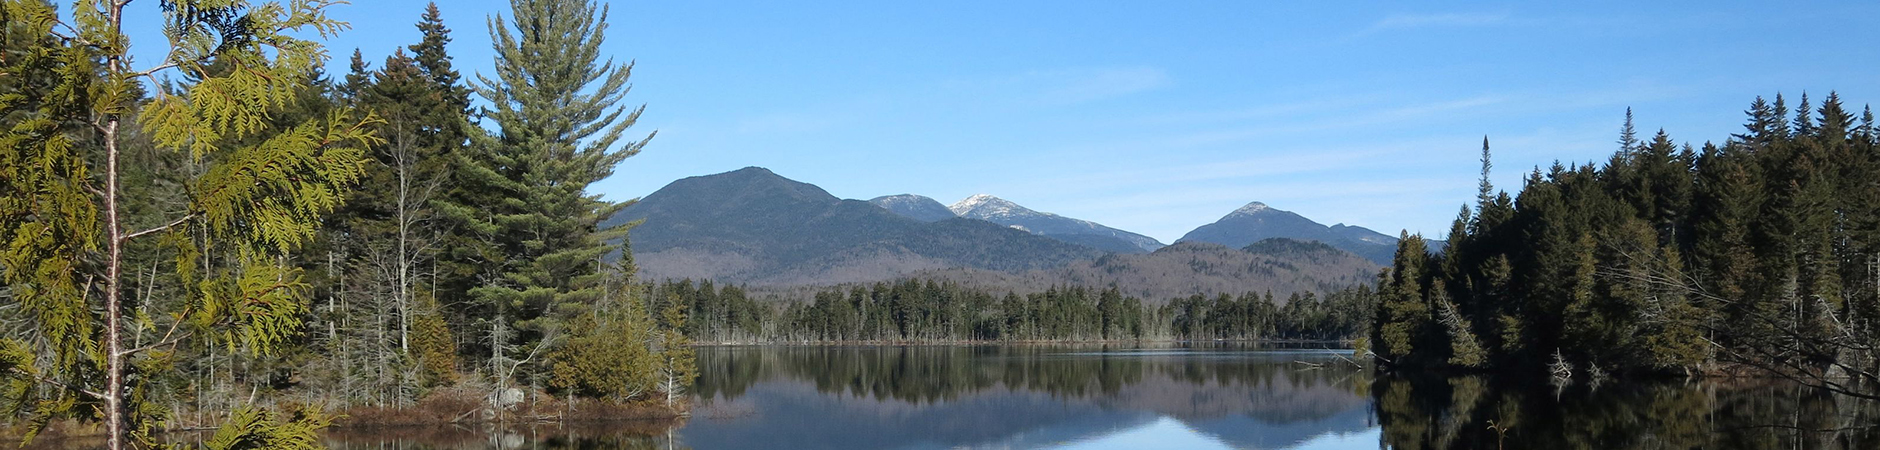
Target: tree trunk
<point x="114" y="261"/>
<point x="114" y="266"/>
<point x="404" y="252"/>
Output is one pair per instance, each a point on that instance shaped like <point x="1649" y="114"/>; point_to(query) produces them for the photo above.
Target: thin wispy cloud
<point x="1061" y="87"/>
<point x="1405" y="21"/>
<point x="788" y="123"/>
<point x="1079" y="86"/>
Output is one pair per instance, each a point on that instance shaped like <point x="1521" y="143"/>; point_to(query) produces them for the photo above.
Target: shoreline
<point x="1332" y="344"/>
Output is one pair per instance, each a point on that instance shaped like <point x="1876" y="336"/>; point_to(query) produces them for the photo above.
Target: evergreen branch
<point x="48" y="380"/>
<point x="167" y="335"/>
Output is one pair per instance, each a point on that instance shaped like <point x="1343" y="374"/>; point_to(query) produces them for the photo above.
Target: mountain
<point x="1256" y="222"/>
<point x="917" y="207"/>
<point x="755" y="227"/>
<point x="1279" y="265"/>
<point x="1081" y="232"/>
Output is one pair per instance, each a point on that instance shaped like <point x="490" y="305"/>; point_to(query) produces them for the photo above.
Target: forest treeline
<point x="226" y="233"/>
<point x="914" y="310"/>
<point x="1762" y="251"/>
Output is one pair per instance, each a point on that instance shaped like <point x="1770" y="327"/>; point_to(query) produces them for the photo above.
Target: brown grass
<point x="466" y="406"/>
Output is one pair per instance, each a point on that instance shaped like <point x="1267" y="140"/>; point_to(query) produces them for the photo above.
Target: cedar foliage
<point x="76" y="214"/>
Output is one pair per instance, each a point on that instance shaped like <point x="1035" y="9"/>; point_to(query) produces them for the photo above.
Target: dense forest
<point x="226" y="233"/>
<point x="1760" y="252"/>
<point x="231" y="229"/>
<point x="913" y="310"/>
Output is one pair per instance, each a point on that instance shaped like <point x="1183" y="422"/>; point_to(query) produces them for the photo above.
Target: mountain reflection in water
<point x="1211" y="396"/>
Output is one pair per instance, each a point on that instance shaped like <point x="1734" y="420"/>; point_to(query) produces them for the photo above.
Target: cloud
<point x="1308" y="122"/>
<point x="1061" y="87"/>
<point x="787" y="123"/>
<point x="1444" y="20"/>
<point x="1396" y="22"/>
<point x="1079" y="86"/>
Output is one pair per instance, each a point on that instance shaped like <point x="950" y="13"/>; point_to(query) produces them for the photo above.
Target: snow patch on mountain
<point x="981" y="206"/>
<point x="915" y="207"/>
<point x="1004" y="212"/>
<point x="1250" y="209"/>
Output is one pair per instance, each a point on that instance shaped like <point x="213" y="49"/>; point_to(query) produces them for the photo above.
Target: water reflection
<point x="1208" y="397"/>
<point x="1018" y="397"/>
<point x="1456" y="413"/>
<point x="930" y="397"/>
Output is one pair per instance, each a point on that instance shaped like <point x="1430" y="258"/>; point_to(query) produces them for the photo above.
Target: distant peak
<point x="1251" y="208"/>
<point x="900" y="198"/>
<point x="978" y="200"/>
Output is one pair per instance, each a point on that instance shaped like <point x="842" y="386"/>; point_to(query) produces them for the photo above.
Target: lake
<point x="1211" y="396"/>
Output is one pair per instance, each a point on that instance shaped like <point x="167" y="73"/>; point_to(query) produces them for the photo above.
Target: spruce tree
<point x="1403" y="325"/>
<point x="1724" y="204"/>
<point x="555" y="103"/>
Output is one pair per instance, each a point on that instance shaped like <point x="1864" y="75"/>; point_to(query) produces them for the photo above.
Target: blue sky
<point x="1158" y="117"/>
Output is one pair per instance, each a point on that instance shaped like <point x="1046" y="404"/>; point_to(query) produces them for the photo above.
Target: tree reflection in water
<point x="1456" y="413"/>
<point x="1037" y="396"/>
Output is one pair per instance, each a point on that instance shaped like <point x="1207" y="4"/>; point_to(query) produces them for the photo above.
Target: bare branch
<point x="173" y="223"/>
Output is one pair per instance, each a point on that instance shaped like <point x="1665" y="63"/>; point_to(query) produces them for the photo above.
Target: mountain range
<point x="1003" y="212"/>
<point x="752" y="226"/>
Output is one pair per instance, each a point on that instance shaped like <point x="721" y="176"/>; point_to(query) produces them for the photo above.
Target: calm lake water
<point x="1176" y="397"/>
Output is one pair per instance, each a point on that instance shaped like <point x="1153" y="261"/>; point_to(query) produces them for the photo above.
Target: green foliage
<point x="1403" y="320"/>
<point x="1464" y="350"/>
<point x="525" y="187"/>
<point x="49" y="218"/>
<point x="609" y="352"/>
<point x="431" y="342"/>
<point x="914" y="310"/>
<point x="678" y="362"/>
<point x="260" y="192"/>
<point x="1665" y="259"/>
<point x="259" y="429"/>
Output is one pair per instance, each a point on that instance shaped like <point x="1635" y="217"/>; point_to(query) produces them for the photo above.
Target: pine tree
<point x="1403" y="320"/>
<point x="422" y="132"/>
<point x="261" y="196"/>
<point x="1761" y="131"/>
<point x="1663" y="187"/>
<point x="1464" y="350"/>
<point x="462" y="252"/>
<point x="1485" y="190"/>
<point x="1724" y="204"/>
<point x="555" y="104"/>
<point x="678" y="364"/>
<point x="1628" y="135"/>
<point x="607" y="354"/>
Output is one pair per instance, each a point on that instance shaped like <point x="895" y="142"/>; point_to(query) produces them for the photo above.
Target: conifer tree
<point x="1628" y="135"/>
<point x="1464" y="349"/>
<point x="261" y="196"/>
<point x="1403" y="318"/>
<point x="609" y="351"/>
<point x="555" y="102"/>
<point x="1724" y="204"/>
<point x="678" y="364"/>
